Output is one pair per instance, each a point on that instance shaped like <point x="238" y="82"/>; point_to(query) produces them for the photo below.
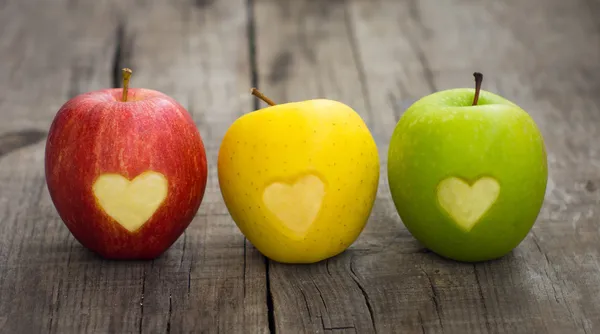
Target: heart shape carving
<point x="296" y="205"/>
<point x="465" y="203"/>
<point x="130" y="203"/>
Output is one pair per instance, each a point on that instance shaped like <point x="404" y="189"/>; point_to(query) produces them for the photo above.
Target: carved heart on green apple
<point x="467" y="171"/>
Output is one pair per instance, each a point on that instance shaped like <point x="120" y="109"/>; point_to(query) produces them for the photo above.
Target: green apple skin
<point x="442" y="135"/>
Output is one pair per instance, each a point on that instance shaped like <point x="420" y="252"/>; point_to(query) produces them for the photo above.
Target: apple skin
<point x="96" y="133"/>
<point x="284" y="143"/>
<point x="442" y="135"/>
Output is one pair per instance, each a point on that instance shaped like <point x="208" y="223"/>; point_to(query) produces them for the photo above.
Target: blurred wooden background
<point x="377" y="56"/>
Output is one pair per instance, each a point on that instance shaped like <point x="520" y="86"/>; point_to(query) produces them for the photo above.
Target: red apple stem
<point x="478" y="79"/>
<point x="126" y="76"/>
<point x="261" y="96"/>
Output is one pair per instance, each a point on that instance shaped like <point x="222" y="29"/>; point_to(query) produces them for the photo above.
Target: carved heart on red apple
<point x="126" y="170"/>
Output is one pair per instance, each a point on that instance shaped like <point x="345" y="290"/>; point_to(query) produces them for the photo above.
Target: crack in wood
<point x="270" y="308"/>
<point x="322" y="320"/>
<point x="539" y="248"/>
<point x="354" y="277"/>
<point x="189" y="278"/>
<point x="553" y="287"/>
<point x="142" y="301"/>
<point x="338" y="328"/>
<point x="421" y="324"/>
<point x="327" y="267"/>
<point x="169" y="316"/>
<point x="434" y="298"/>
<point x="321" y="297"/>
<point x="306" y="302"/>
<point x="481" y="296"/>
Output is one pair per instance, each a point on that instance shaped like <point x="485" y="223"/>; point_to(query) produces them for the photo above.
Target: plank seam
<point x="252" y="51"/>
<point x="120" y="54"/>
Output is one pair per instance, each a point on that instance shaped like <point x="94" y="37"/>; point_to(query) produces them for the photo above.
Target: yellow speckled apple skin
<point x="293" y="146"/>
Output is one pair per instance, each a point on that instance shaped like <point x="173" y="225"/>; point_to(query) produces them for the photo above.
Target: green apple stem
<point x="126" y="76"/>
<point x="478" y="79"/>
<point x="261" y="96"/>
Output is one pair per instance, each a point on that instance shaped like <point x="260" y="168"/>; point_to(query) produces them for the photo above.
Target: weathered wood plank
<point x="379" y="57"/>
<point x="209" y="280"/>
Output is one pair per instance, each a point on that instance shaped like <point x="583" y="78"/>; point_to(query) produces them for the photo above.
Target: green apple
<point x="299" y="179"/>
<point x="467" y="171"/>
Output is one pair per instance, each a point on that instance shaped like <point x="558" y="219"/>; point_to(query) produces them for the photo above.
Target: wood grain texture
<point x="379" y="57"/>
<point x="210" y="280"/>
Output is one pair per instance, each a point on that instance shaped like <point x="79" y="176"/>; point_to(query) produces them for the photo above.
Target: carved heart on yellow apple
<point x="299" y="178"/>
<point x="126" y="170"/>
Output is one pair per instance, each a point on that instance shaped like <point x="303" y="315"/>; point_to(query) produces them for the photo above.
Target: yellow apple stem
<point x="126" y="76"/>
<point x="261" y="96"/>
<point x="478" y="79"/>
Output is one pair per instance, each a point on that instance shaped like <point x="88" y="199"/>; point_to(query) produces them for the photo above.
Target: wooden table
<point x="377" y="56"/>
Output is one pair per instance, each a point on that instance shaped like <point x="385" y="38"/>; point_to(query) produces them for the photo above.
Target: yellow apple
<point x="299" y="179"/>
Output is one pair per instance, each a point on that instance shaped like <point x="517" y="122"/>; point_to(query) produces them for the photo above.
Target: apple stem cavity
<point x="126" y="76"/>
<point x="261" y="96"/>
<point x="478" y="79"/>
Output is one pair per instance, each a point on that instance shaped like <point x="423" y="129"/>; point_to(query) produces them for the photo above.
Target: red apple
<point x="126" y="170"/>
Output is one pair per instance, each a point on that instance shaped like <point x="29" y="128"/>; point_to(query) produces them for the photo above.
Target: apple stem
<point x="126" y="76"/>
<point x="478" y="79"/>
<point x="261" y="96"/>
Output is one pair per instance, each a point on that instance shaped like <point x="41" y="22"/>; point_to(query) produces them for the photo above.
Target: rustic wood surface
<point x="377" y="56"/>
